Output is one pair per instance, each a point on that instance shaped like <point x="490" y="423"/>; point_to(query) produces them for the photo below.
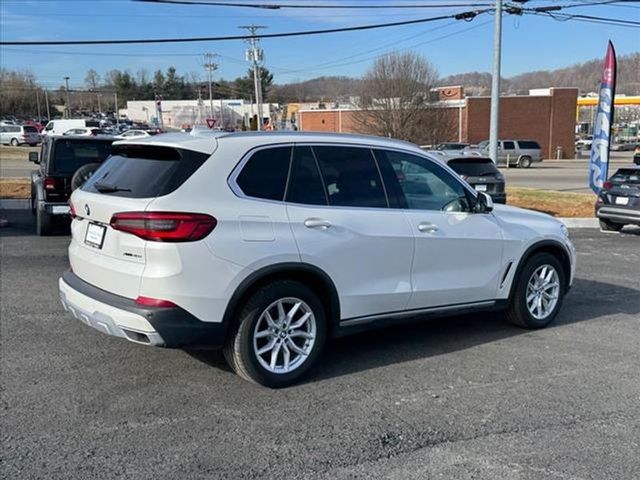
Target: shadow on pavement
<point x="431" y="337"/>
<point x="22" y="223"/>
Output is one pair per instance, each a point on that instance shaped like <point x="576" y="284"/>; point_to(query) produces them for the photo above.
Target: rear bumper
<point x="122" y="317"/>
<point x="619" y="215"/>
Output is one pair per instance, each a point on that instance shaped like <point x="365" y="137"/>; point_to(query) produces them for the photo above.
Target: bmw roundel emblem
<point x="87" y="209"/>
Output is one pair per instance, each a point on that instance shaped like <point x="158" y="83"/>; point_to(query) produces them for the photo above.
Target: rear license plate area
<point x="95" y="235"/>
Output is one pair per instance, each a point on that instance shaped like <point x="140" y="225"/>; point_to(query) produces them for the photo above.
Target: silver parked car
<point x="519" y="153"/>
<point x="19" y="134"/>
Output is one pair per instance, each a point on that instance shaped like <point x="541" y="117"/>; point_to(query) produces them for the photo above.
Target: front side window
<point x="265" y="173"/>
<point x="351" y="176"/>
<point x="422" y="184"/>
<point x="508" y="145"/>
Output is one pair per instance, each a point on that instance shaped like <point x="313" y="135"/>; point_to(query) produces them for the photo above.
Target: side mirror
<point x="34" y="157"/>
<point x="484" y="203"/>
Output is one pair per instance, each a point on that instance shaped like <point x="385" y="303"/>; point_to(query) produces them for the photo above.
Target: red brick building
<point x="549" y="119"/>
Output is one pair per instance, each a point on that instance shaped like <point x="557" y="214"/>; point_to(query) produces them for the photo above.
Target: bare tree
<point x="92" y="79"/>
<point x="394" y="95"/>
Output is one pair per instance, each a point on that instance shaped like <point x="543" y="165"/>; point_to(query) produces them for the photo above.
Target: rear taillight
<point x="72" y="210"/>
<point x="164" y="226"/>
<point x="607" y="185"/>
<point x="154" y="302"/>
<point x="51" y="183"/>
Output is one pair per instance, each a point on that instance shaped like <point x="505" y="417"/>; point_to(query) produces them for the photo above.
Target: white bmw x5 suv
<point x="266" y="244"/>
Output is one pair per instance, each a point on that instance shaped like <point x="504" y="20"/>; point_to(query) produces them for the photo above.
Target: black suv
<point x="481" y="173"/>
<point x="64" y="163"/>
<point x="619" y="201"/>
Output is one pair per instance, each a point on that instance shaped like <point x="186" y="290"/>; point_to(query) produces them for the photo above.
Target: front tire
<point x="278" y="334"/>
<point x="539" y="292"/>
<point x="608" y="226"/>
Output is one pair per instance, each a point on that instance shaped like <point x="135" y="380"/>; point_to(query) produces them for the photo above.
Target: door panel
<point x="366" y="252"/>
<point x="460" y="262"/>
<point x="458" y="254"/>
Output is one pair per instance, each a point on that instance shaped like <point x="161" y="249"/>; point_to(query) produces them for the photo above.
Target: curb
<point x="580" y="222"/>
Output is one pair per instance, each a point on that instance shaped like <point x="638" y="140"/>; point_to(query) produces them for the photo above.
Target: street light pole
<point x="68" y="109"/>
<point x="495" y="84"/>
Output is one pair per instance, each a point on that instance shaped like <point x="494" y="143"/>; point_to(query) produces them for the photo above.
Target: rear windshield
<point x="136" y="171"/>
<point x="528" y="144"/>
<point x="69" y="155"/>
<point x="476" y="167"/>
<point x="29" y="129"/>
<point x="626" y="175"/>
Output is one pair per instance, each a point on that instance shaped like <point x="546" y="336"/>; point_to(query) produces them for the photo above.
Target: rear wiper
<point x="108" y="188"/>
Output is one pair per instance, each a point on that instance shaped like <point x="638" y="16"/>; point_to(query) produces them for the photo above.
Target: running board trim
<point x="410" y="313"/>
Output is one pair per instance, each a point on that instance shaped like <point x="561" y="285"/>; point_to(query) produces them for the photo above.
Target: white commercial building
<point x="178" y="113"/>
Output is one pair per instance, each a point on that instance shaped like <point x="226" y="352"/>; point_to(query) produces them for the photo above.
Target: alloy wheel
<point x="284" y="335"/>
<point x="543" y="291"/>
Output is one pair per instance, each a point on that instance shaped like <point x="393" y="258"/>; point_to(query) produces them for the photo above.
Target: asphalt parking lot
<point x="462" y="397"/>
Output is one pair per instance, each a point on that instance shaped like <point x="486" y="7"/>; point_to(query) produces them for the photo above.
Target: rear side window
<point x="70" y="155"/>
<point x="305" y="183"/>
<point x="265" y="173"/>
<point x="351" y="177"/>
<point x="473" y="167"/>
<point x="136" y="171"/>
<point x="528" y="144"/>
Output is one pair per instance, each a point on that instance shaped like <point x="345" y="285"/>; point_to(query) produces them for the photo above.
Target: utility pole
<point x="38" y="102"/>
<point x="115" y="99"/>
<point x="495" y="85"/>
<point x="46" y="101"/>
<point x="256" y="56"/>
<point x="68" y="109"/>
<point x="210" y="67"/>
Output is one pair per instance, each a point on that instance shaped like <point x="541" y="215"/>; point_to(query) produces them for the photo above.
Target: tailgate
<point x="132" y="178"/>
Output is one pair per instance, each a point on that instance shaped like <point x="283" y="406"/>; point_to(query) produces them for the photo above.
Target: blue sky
<point x="530" y="43"/>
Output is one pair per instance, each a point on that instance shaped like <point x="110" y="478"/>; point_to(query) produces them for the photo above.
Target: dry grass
<point x="15" y="188"/>
<point x="16" y="153"/>
<point x="558" y="204"/>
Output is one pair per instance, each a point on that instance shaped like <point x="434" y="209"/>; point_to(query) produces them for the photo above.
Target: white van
<point x="59" y="127"/>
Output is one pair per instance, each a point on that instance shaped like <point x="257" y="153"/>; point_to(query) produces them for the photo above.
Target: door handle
<point x="427" y="227"/>
<point x="317" y="223"/>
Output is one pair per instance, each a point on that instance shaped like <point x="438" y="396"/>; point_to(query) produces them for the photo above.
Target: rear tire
<point x="525" y="162"/>
<point x="608" y="226"/>
<point x="538" y="293"/>
<point x="263" y="325"/>
<point x="14" y="142"/>
<point x="43" y="223"/>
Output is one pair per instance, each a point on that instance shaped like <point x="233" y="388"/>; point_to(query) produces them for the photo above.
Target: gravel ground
<point x="462" y="397"/>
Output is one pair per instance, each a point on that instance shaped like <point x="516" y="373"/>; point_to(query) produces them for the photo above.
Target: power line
<point x="278" y="6"/>
<point x="464" y="15"/>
